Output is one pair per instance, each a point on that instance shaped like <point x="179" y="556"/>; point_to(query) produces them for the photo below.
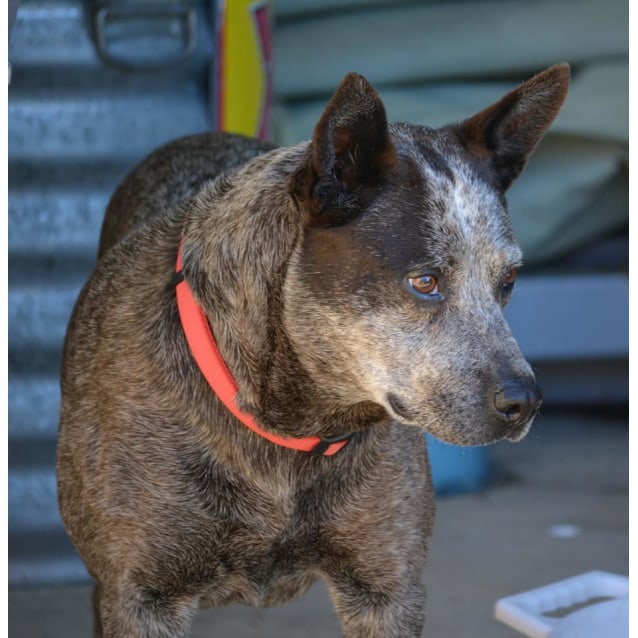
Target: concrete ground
<point x="571" y="470"/>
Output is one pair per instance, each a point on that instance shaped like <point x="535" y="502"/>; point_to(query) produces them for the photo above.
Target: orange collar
<point x="206" y="354"/>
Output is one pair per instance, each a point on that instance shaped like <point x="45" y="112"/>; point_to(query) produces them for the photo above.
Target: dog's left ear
<point x="350" y="150"/>
<point x="507" y="132"/>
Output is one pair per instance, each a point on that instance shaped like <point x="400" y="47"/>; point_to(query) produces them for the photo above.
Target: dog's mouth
<point x="517" y="432"/>
<point x="494" y="431"/>
<point x="399" y="408"/>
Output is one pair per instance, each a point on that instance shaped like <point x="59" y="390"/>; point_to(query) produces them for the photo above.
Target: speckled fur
<point x="298" y="257"/>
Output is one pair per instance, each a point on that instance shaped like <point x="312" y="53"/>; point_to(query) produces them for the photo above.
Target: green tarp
<point x="439" y="62"/>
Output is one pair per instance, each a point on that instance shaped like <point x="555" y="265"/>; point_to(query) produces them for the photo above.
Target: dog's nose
<point x="518" y="400"/>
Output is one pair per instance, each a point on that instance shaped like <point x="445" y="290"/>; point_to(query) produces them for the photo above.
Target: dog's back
<point x="170" y="175"/>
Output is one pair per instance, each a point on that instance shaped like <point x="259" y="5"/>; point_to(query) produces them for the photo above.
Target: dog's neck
<point x="237" y="246"/>
<point x="204" y="350"/>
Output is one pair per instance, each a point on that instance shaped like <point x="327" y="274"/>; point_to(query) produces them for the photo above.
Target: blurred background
<point x="96" y="85"/>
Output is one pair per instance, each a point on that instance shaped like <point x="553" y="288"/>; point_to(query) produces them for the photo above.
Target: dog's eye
<point x="424" y="286"/>
<point x="510" y="278"/>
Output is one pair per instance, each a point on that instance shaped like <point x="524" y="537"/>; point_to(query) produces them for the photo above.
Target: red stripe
<point x="261" y="16"/>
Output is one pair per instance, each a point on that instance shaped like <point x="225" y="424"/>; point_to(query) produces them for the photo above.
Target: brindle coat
<point x="310" y="263"/>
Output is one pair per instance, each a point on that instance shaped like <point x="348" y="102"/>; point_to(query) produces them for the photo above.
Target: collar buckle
<point x="325" y="442"/>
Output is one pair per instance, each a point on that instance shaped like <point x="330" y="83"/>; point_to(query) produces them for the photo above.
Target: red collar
<point x="206" y="354"/>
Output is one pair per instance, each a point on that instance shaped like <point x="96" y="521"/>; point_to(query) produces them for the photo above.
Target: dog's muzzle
<point x="517" y="401"/>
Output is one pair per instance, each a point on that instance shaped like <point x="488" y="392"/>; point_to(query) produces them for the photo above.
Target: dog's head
<point x="395" y="293"/>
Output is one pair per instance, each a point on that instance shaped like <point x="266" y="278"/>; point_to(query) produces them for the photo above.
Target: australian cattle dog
<point x="268" y="333"/>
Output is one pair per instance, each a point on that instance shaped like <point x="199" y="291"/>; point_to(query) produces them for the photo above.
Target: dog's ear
<point x="350" y="149"/>
<point x="507" y="132"/>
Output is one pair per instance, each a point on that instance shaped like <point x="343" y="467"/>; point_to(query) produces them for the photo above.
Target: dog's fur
<point x="299" y="257"/>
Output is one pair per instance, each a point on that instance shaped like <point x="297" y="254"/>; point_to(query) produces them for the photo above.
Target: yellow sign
<point x="244" y="67"/>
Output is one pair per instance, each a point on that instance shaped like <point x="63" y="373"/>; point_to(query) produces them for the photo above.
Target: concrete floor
<point x="572" y="469"/>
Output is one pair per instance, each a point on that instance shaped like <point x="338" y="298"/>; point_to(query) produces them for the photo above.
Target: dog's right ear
<point x="351" y="148"/>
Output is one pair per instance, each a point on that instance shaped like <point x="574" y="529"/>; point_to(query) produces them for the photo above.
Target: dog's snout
<point x="518" y="401"/>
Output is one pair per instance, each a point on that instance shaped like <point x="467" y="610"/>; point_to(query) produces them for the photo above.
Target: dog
<point x="249" y="372"/>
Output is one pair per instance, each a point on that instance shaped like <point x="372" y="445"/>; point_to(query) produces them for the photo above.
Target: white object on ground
<point x="527" y="612"/>
<point x="564" y="530"/>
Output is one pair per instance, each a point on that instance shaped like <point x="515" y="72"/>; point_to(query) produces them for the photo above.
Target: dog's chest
<point x="264" y="571"/>
<point x="262" y="541"/>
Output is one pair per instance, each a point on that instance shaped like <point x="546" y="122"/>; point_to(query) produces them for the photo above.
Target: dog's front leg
<point x="365" y="612"/>
<point x="135" y="613"/>
<point x="97" y="619"/>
